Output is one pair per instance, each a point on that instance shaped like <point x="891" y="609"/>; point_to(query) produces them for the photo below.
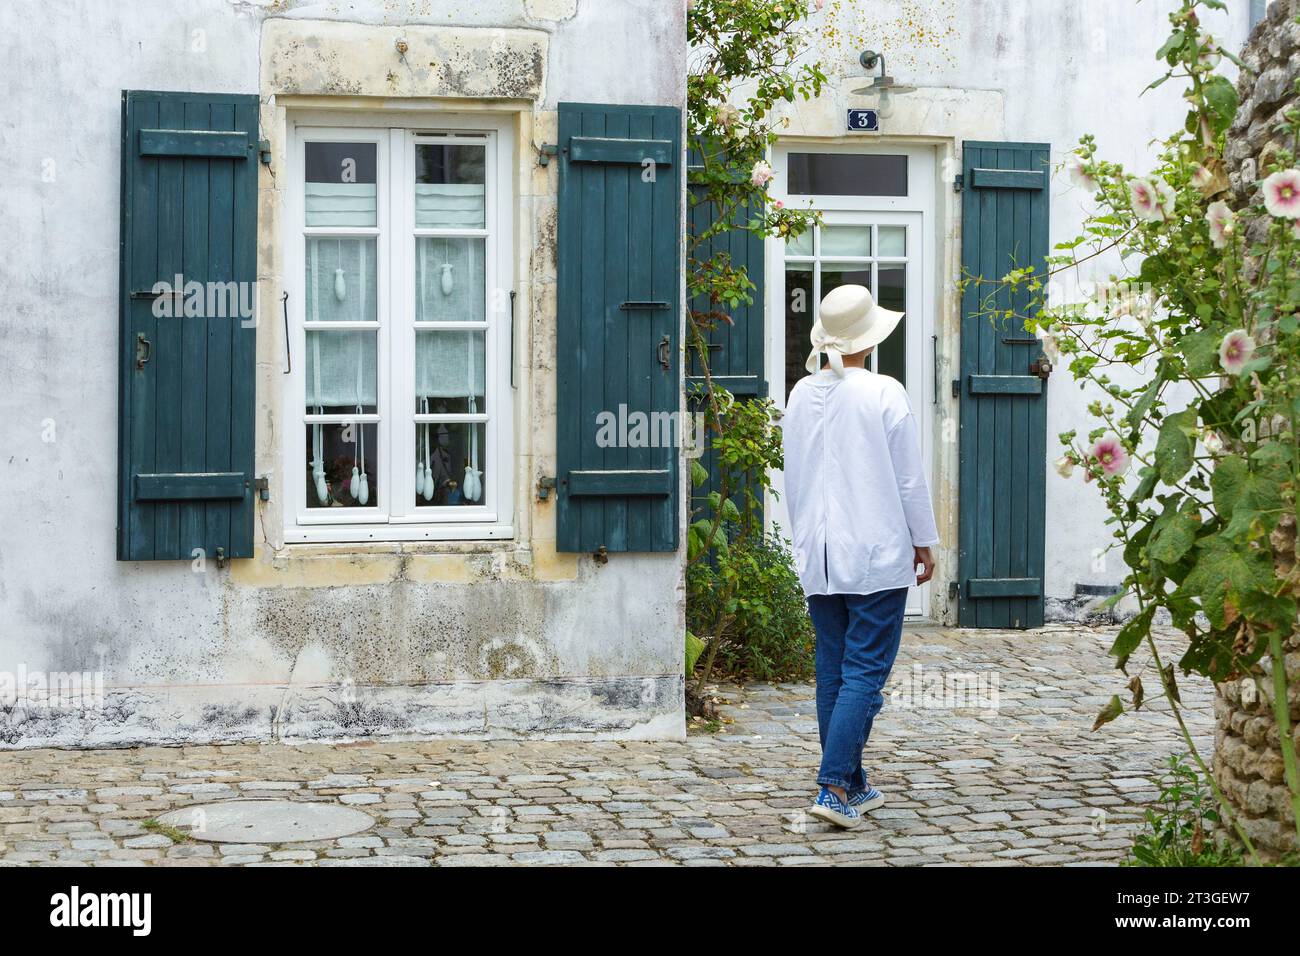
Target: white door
<point x="883" y="242"/>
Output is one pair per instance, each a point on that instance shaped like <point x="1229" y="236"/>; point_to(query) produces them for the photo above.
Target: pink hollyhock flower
<point x="1144" y="199"/>
<point x="1282" y="194"/>
<point x="1110" y="454"/>
<point x="1223" y="223"/>
<point x="820" y="4"/>
<point x="1213" y="443"/>
<point x="760" y="174"/>
<point x="1236" y="350"/>
<point x="1202" y="177"/>
<point x="1078" y="173"/>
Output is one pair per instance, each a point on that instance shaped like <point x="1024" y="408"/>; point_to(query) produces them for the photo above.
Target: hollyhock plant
<point x="1236" y="350"/>
<point x="1282" y="194"/>
<point x="1064" y="466"/>
<point x="1212" y="442"/>
<point x="1110" y="454"/>
<point x="1223" y="223"/>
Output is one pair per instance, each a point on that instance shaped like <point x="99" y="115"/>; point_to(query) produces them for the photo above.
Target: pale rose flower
<point x="760" y="174"/>
<point x="1064" y="466"/>
<point x="1145" y="201"/>
<point x="1223" y="223"/>
<point x="1051" y="347"/>
<point x="1078" y="173"/>
<point x="1282" y="194"/>
<point x="1213" y="443"/>
<point x="1236" y="350"/>
<point x="728" y="115"/>
<point x="1110" y="454"/>
<point x="820" y="4"/>
<point x="778" y="205"/>
<point x="1166" y="196"/>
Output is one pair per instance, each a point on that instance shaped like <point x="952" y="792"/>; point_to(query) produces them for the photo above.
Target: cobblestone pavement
<point x="1025" y="783"/>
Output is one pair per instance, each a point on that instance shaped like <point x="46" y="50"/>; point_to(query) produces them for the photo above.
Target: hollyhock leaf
<point x="1113" y="709"/>
<point x="1173" y="536"/>
<point x="1132" y="633"/>
<point x="1221" y="98"/>
<point x="1201" y="352"/>
<point x="1147" y="485"/>
<point x="1174" y="448"/>
<point x="1222" y="568"/>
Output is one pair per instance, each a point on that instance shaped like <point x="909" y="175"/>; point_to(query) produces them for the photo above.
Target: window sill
<point x="396" y="534"/>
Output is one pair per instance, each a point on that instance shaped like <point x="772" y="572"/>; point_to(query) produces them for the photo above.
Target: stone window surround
<point x="349" y="68"/>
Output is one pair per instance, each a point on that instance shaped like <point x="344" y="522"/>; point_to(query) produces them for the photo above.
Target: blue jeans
<point x="857" y="641"/>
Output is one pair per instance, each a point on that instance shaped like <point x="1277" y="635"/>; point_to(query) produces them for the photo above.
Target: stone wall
<point x="1248" y="758"/>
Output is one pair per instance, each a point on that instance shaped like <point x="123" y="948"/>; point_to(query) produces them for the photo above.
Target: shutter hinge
<point x="544" y="486"/>
<point x="956" y="388"/>
<point x="262" y="485"/>
<point x="264" y="151"/>
<point x="601" y="555"/>
<point x="958" y="183"/>
<point x="545" y="152"/>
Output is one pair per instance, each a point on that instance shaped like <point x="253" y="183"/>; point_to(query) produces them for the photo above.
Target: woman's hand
<point x="925" y="558"/>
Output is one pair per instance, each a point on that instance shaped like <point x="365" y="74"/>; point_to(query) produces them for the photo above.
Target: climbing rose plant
<point x="1198" y="461"/>
<point x="745" y="60"/>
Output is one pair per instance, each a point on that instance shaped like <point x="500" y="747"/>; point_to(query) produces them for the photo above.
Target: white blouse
<point x="855" y="483"/>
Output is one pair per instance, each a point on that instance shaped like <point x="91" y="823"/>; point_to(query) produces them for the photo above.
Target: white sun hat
<point x="848" y="322"/>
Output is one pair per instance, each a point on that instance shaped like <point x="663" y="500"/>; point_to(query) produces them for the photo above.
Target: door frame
<point x="917" y="207"/>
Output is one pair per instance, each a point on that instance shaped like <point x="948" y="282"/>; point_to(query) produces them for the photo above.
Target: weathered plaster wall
<point x="1047" y="71"/>
<point x="301" y="641"/>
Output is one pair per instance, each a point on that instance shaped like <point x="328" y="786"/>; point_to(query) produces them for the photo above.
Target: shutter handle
<point x="143" y="350"/>
<point x="664" y="348"/>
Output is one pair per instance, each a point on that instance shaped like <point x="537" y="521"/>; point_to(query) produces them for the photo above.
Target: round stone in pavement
<point x="267" y="821"/>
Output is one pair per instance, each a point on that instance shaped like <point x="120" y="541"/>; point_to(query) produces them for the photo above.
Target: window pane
<point x="341" y="369"/>
<point x="846" y="174"/>
<point x="449" y="463"/>
<point x="341" y="465"/>
<point x="836" y="274"/>
<point x="449" y="186"/>
<point x="341" y="283"/>
<point x="846" y="240"/>
<point x="891" y="354"/>
<point x="449" y="372"/>
<point x="800" y="246"/>
<point x="340" y="187"/>
<point x="798" y="321"/>
<point x="449" y="280"/>
<point x="893" y="240"/>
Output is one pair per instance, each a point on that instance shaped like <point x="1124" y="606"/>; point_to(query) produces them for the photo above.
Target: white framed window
<point x="398" y="271"/>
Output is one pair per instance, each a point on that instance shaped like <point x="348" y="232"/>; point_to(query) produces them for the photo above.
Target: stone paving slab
<point x="984" y="749"/>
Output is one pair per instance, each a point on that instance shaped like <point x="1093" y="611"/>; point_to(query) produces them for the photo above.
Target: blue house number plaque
<point x="864" y="121"/>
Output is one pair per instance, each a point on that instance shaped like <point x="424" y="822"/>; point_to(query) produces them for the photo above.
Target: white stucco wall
<point x="303" y="641"/>
<point x="1043" y="71"/>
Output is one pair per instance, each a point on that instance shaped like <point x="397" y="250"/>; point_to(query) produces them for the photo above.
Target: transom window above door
<point x="401" y="240"/>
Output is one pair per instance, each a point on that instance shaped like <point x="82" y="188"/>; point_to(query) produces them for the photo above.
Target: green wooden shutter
<point x="186" y="392"/>
<point x="619" y="305"/>
<point x="1003" y="441"/>
<point x="735" y="350"/>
